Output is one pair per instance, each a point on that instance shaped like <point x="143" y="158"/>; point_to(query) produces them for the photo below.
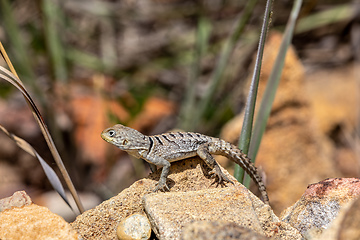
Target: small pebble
<point x="18" y="199"/>
<point x="134" y="227"/>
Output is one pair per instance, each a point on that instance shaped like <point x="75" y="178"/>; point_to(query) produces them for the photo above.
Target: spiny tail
<point x="240" y="158"/>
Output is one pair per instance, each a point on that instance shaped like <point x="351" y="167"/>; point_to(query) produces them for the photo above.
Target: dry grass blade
<point x="10" y="77"/>
<point x="50" y="173"/>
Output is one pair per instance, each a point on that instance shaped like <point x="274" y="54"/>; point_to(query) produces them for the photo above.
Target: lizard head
<point x="125" y="138"/>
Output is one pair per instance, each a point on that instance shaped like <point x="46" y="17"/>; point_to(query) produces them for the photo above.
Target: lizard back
<point x="182" y="144"/>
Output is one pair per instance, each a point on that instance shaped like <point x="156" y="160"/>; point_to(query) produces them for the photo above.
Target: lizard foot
<point x="162" y="186"/>
<point x="217" y="173"/>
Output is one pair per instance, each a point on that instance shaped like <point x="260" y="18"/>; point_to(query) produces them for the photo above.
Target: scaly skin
<point x="160" y="150"/>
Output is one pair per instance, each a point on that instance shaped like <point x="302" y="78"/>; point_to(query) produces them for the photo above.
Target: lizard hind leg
<point x="204" y="154"/>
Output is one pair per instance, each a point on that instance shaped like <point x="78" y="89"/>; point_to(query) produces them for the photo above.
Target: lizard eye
<point x="125" y="142"/>
<point x="112" y="133"/>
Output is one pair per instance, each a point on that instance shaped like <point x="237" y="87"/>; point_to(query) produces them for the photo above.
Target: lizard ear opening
<point x="125" y="142"/>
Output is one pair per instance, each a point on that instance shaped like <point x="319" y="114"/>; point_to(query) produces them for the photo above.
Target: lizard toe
<point x="226" y="179"/>
<point x="161" y="186"/>
<point x="221" y="177"/>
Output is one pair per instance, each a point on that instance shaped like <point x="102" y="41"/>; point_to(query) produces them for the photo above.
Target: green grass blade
<point x="201" y="45"/>
<point x="51" y="19"/>
<point x="223" y="61"/>
<point x="18" y="47"/>
<point x="245" y="136"/>
<point x="335" y="14"/>
<point x="86" y="60"/>
<point x="273" y="83"/>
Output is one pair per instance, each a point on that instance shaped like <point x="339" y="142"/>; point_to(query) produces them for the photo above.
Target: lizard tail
<point x="240" y="158"/>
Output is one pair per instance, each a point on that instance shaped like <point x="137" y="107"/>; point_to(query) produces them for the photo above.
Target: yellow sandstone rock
<point x="34" y="222"/>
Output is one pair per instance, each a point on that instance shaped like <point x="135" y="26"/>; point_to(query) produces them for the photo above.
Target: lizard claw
<point x="212" y="173"/>
<point x="216" y="172"/>
<point x="162" y="186"/>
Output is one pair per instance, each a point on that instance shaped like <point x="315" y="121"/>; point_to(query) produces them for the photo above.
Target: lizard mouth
<point x="106" y="138"/>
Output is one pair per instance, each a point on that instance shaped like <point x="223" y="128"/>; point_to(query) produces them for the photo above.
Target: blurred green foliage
<point x="57" y="40"/>
<point x="193" y="53"/>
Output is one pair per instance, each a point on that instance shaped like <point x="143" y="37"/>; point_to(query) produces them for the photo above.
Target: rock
<point x="101" y="221"/>
<point x="320" y="204"/>
<point x="34" y="222"/>
<point x="333" y="111"/>
<point x="350" y="224"/>
<point x="346" y="226"/>
<point x="331" y="107"/>
<point x="219" y="230"/>
<point x="18" y="199"/>
<point x="134" y="227"/>
<point x="170" y="212"/>
<point x="188" y="175"/>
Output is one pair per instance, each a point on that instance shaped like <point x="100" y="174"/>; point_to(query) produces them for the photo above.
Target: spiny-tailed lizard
<point x="160" y="150"/>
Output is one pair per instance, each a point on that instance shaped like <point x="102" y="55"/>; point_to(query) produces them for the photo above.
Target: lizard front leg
<point x="204" y="154"/>
<point x="161" y="162"/>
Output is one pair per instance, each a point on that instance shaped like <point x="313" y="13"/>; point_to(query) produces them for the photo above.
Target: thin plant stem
<point x="272" y="85"/>
<point x="245" y="136"/>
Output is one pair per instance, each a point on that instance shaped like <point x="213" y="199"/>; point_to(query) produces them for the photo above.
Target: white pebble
<point x="134" y="227"/>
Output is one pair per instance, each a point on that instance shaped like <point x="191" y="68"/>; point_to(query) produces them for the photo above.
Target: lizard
<point x="160" y="150"/>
